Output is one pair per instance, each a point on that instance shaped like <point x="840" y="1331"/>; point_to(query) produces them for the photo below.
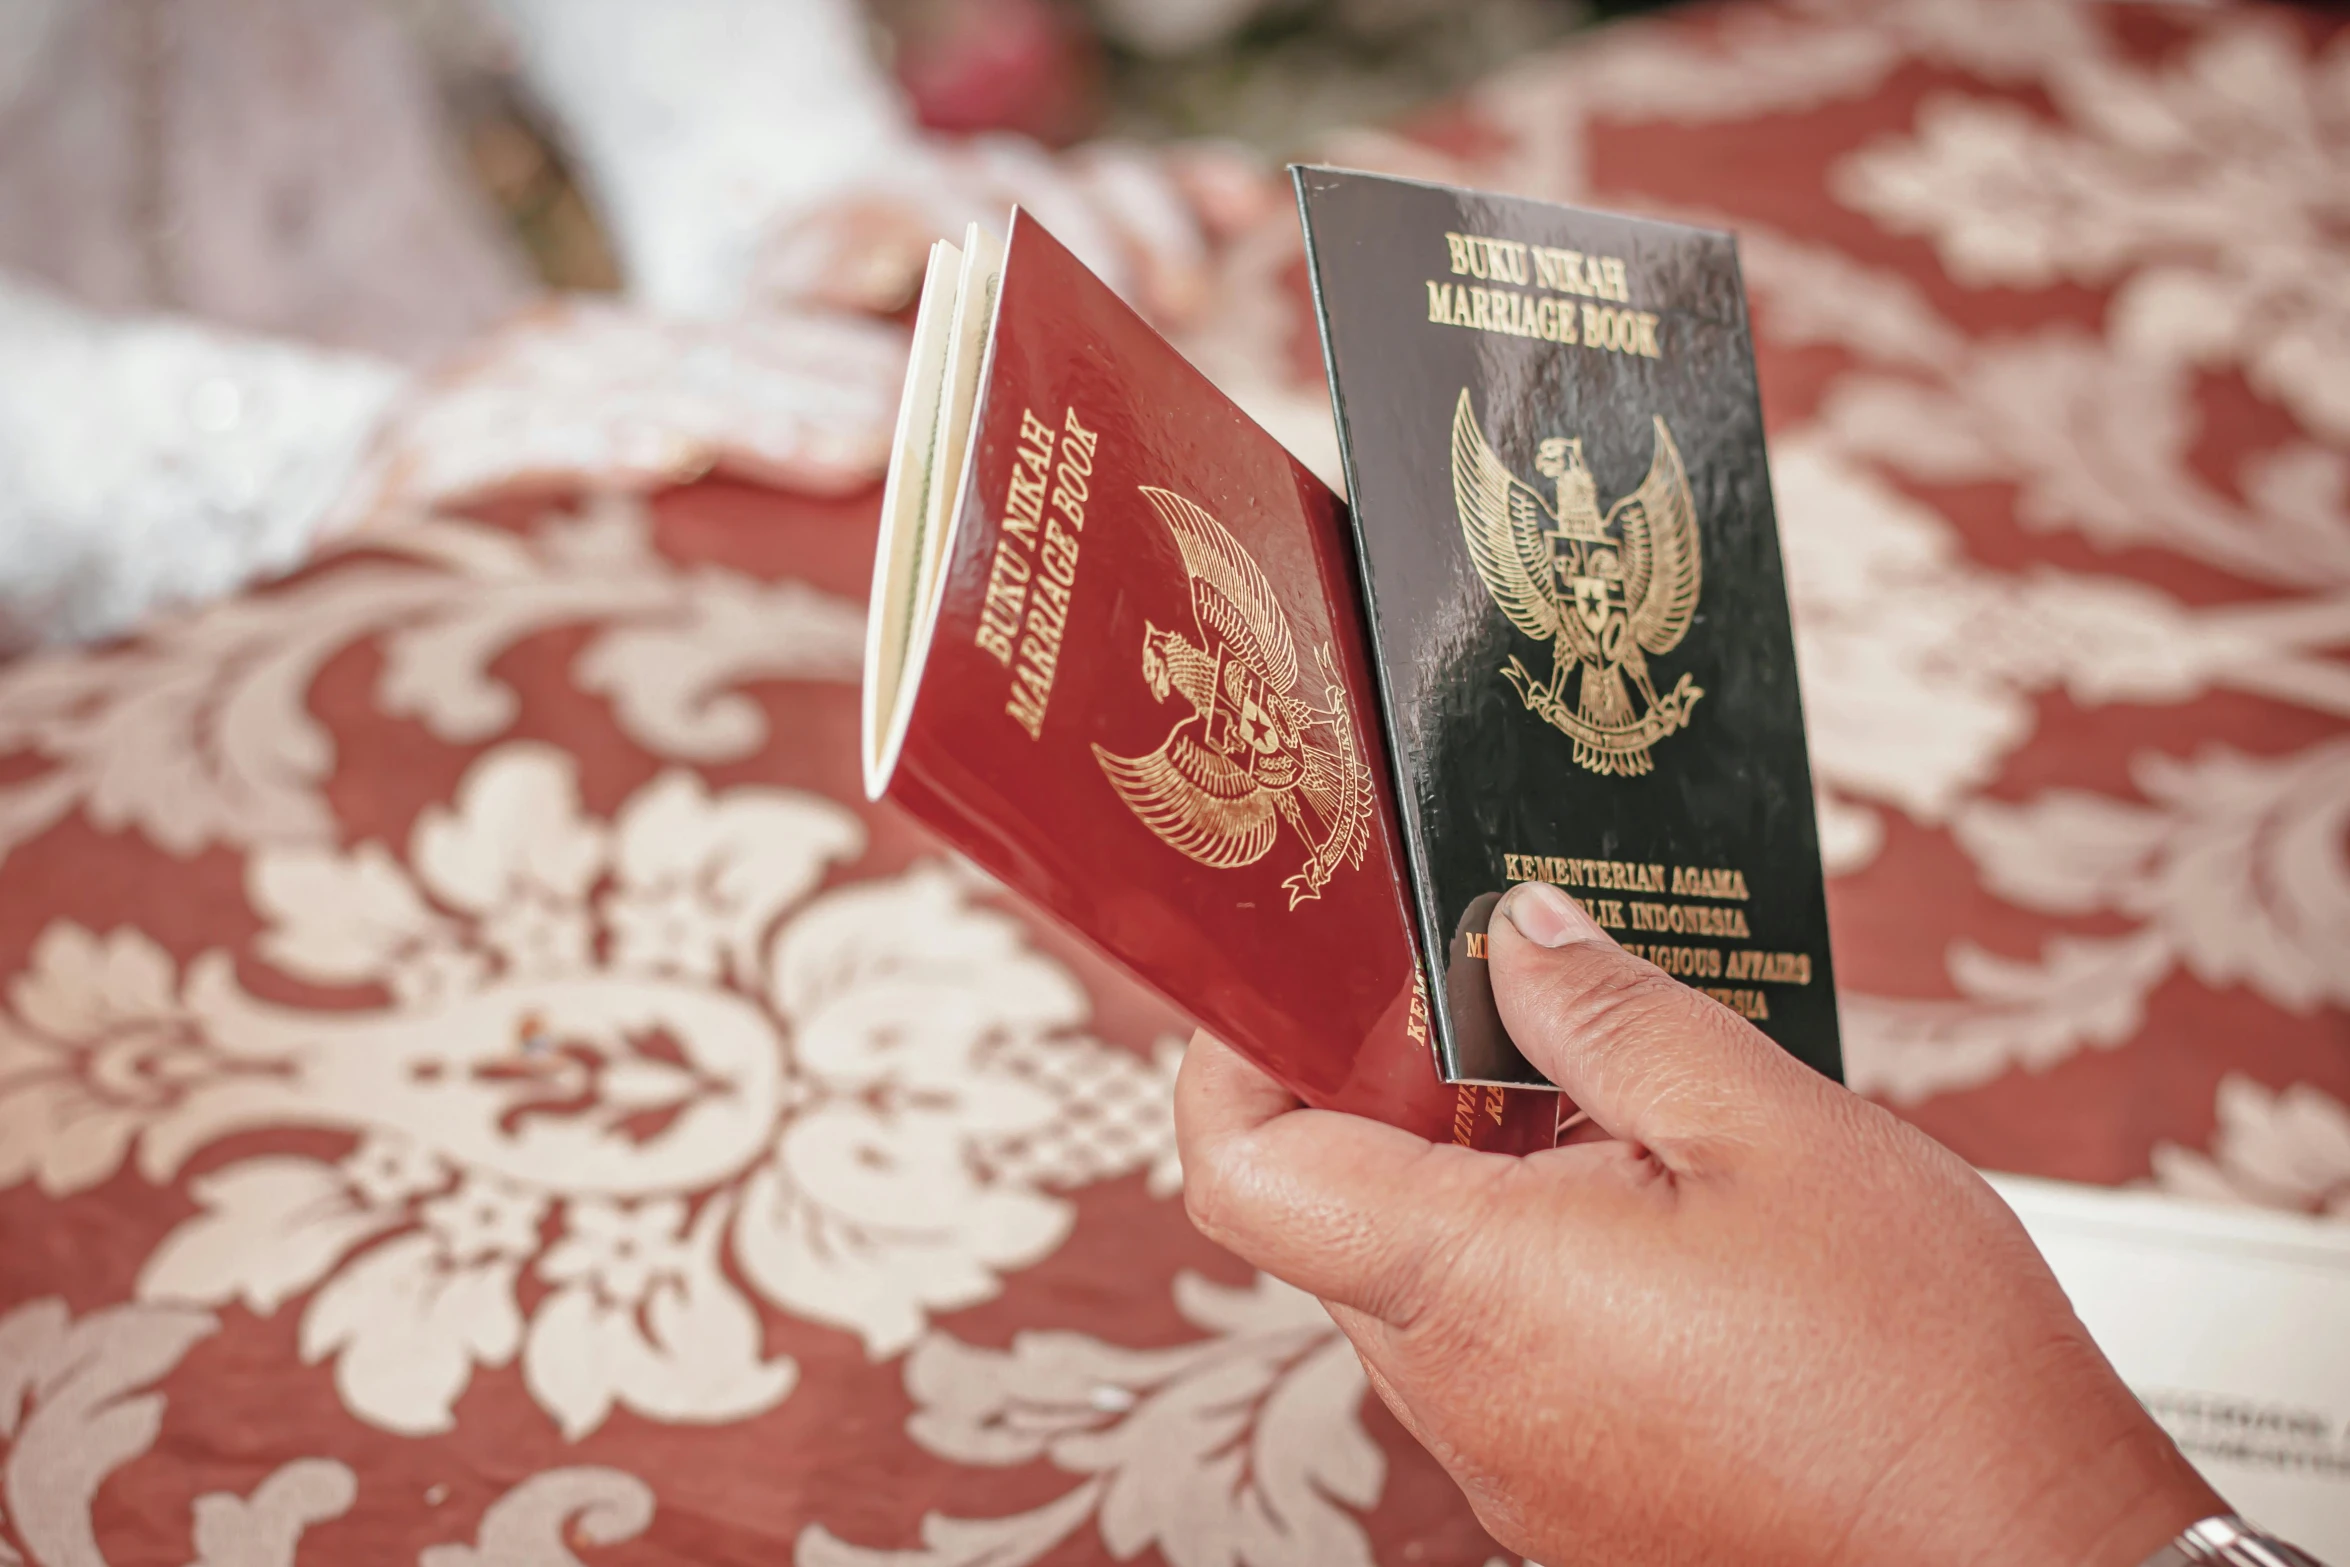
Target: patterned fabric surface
<point x="477" y="1086"/>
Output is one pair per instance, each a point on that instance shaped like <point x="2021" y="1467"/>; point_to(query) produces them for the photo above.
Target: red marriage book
<point x="1116" y="656"/>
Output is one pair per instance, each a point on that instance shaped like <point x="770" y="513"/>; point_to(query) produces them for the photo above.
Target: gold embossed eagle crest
<point x="1607" y="590"/>
<point x="1255" y="751"/>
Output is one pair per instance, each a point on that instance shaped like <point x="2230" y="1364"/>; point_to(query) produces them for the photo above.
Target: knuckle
<point x="1456" y="1314"/>
<point x="1429" y="1269"/>
<point x="1619" y="995"/>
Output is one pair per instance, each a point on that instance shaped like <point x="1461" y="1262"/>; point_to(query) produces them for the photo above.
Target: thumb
<point x="1649" y="1059"/>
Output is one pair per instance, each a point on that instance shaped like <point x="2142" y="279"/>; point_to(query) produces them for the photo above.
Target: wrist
<point x="2114" y="1509"/>
<point x="2135" y="1535"/>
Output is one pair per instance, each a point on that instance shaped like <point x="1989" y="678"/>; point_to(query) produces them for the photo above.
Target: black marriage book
<point x="1554" y="454"/>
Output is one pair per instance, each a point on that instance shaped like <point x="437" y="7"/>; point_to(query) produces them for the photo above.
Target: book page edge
<point x="970" y="353"/>
<point x="889" y="617"/>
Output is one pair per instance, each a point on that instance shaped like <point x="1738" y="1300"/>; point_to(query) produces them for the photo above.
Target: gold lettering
<point x="1690" y="919"/>
<point x="1040" y="654"/>
<point x="1029" y="694"/>
<point x="1071" y="491"/>
<point x="1572" y="272"/>
<point x="1550" y="320"/>
<point x="1464" y="1114"/>
<point x="1052" y="594"/>
<point x="1693" y="881"/>
<point x="1554" y="271"/>
<point x="1493" y="1104"/>
<point x="1058" y="554"/>
<point x="999" y="610"/>
<point x="1771" y="968"/>
<point x="1025" y="506"/>
<point x="1682" y="962"/>
<point x="1020" y="628"/>
<point x="1746" y="1003"/>
<point x="1476" y="943"/>
<point x="1048" y="617"/>
<point x="1627" y="876"/>
<point x="1604" y="911"/>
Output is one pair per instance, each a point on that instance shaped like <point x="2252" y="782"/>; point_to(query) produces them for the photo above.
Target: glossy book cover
<point x="1136" y="692"/>
<point x="1554" y="450"/>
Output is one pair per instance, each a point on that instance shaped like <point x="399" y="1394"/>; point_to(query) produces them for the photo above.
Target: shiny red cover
<point x="1146" y="706"/>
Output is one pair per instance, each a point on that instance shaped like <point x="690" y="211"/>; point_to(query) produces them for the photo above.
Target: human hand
<point x="1751" y="1318"/>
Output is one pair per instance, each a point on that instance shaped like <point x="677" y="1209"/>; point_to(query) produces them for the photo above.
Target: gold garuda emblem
<point x="1607" y="590"/>
<point x="1254" y="752"/>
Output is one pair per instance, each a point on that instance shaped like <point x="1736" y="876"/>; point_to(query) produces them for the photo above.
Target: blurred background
<point x="393" y="178"/>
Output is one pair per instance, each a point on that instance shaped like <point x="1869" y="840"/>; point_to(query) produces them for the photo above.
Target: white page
<point x="2233" y="1326"/>
<point x="967" y="341"/>
<point x="905" y="514"/>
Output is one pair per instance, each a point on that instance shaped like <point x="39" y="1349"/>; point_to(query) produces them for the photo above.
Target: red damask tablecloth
<point x="478" y="1086"/>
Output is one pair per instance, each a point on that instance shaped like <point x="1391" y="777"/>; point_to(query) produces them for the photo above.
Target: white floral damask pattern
<point x="77" y="1404"/>
<point x="2286" y="1148"/>
<point x="1242" y="1449"/>
<point x="2211" y="190"/>
<point x="2234" y="868"/>
<point x="644" y="1065"/>
<point x="198" y="734"/>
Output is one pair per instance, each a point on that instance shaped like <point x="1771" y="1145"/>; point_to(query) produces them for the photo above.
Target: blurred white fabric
<point x="145" y="461"/>
<point x="761" y="180"/>
<point x="699" y="123"/>
<point x="749" y="154"/>
<point x="148" y="463"/>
